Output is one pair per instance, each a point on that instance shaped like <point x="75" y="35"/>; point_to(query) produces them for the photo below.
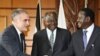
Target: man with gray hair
<point x="52" y="40"/>
<point x="12" y="40"/>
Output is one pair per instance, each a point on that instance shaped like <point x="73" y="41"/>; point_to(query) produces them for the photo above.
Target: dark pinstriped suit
<point x="41" y="44"/>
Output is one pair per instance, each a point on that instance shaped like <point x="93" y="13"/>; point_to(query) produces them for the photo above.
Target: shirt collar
<point x="50" y="30"/>
<point x="18" y="31"/>
<point x="90" y="28"/>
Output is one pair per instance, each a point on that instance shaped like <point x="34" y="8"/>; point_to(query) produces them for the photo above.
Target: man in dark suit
<point x="86" y="41"/>
<point x="42" y="43"/>
<point x="12" y="42"/>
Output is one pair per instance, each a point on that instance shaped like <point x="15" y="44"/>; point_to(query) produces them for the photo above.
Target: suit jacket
<point x="10" y="43"/>
<point x="76" y="47"/>
<point x="41" y="45"/>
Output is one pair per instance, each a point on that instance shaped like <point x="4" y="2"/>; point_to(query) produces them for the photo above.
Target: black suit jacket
<point x="41" y="45"/>
<point x="10" y="43"/>
<point x="76" y="48"/>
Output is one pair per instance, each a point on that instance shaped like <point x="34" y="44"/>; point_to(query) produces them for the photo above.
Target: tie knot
<point x="85" y="31"/>
<point x="22" y="35"/>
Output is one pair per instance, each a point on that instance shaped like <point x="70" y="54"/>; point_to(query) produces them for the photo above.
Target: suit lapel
<point x="15" y="34"/>
<point x="57" y="40"/>
<point x="92" y="38"/>
<point x="46" y="38"/>
<point x="80" y="42"/>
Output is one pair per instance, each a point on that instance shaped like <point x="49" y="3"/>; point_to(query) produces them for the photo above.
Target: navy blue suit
<point x="10" y="43"/>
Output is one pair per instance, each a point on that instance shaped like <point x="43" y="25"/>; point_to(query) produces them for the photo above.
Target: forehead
<point x="48" y="18"/>
<point x="23" y="16"/>
<point x="81" y="13"/>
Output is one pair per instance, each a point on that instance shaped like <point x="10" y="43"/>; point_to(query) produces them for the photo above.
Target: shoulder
<point x="63" y="30"/>
<point x="9" y="34"/>
<point x="77" y="33"/>
<point x="97" y="28"/>
<point x="9" y="30"/>
<point x="41" y="32"/>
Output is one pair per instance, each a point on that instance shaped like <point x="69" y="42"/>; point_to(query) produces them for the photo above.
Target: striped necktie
<point x="52" y="40"/>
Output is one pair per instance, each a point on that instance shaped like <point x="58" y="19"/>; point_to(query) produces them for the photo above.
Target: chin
<point x="53" y="29"/>
<point x="25" y="30"/>
<point x="79" y="26"/>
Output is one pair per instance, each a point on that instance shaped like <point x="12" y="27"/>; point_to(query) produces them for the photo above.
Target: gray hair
<point x="17" y="11"/>
<point x="50" y="15"/>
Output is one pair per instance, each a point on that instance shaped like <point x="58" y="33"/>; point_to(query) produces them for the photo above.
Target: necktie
<point x="22" y="36"/>
<point x="52" y="40"/>
<point x="85" y="39"/>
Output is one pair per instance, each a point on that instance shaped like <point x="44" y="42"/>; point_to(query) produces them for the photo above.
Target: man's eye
<point x="26" y="20"/>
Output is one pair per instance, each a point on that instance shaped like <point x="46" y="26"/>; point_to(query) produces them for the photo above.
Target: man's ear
<point x="88" y="19"/>
<point x="45" y="23"/>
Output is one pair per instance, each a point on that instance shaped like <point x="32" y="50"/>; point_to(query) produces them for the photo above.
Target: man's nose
<point x="28" y="23"/>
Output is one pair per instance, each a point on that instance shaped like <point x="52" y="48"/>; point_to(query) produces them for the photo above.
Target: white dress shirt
<point x="18" y="31"/>
<point x="89" y="32"/>
<point x="49" y="32"/>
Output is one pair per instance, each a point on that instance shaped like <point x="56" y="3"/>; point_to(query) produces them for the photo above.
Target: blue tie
<point x="85" y="39"/>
